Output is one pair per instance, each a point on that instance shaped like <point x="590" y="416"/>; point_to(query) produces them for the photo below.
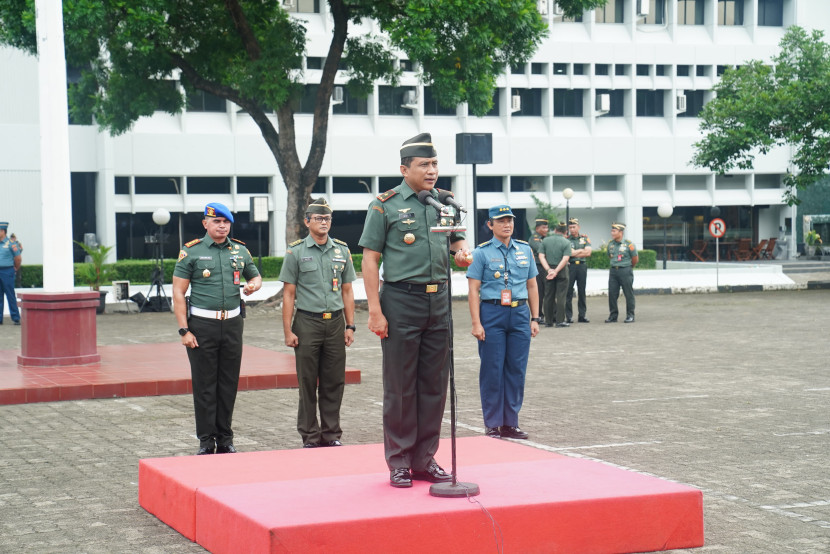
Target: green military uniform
<point x="621" y="275"/>
<point x="577" y="274"/>
<point x="555" y="247"/>
<point x="214" y="271"/>
<point x="415" y="303"/>
<point x="535" y="243"/>
<point x="319" y="272"/>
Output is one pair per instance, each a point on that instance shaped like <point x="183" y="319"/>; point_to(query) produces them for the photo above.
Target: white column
<point x="54" y="149"/>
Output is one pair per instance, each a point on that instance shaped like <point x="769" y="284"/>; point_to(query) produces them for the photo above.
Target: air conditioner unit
<point x="410" y="100"/>
<point x="337" y="96"/>
<point x="557" y="9"/>
<point x="681" y="102"/>
<point x="603" y="105"/>
<point x="542" y="6"/>
<point x="515" y="103"/>
<point x="642" y="7"/>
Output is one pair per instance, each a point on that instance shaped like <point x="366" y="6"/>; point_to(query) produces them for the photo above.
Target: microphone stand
<point x="453" y="489"/>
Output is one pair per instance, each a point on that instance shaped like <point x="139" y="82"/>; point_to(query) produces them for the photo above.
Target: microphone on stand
<point x="446" y="198"/>
<point x="426" y="198"/>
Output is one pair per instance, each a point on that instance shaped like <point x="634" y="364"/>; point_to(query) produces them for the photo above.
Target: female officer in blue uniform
<point x="504" y="306"/>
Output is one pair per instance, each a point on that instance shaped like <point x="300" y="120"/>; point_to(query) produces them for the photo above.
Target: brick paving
<point x="726" y="392"/>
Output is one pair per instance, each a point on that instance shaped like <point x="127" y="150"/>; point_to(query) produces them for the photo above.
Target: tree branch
<point x="249" y="41"/>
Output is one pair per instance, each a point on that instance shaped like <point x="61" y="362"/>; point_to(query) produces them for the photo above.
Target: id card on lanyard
<point x="506" y="293"/>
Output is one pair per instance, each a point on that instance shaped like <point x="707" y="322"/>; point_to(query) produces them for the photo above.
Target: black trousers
<point x="416" y="367"/>
<point x="541" y="283"/>
<point x="620" y="278"/>
<point x="577" y="273"/>
<point x="214" y="370"/>
<point x="320" y="360"/>
<point x="556" y="292"/>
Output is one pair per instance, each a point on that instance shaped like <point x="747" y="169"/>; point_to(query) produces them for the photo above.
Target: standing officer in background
<point x="623" y="257"/>
<point x="554" y="255"/>
<point x="577" y="271"/>
<point x="502" y="282"/>
<point x="535" y="242"/>
<point x="410" y="313"/>
<point x="212" y="330"/>
<point x="10" y="260"/>
<point x="318" y="274"/>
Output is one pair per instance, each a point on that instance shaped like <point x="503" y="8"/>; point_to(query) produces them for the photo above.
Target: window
<point x="567" y="102"/>
<point x="611" y="12"/>
<point x="351" y="104"/>
<point x="517" y="69"/>
<point x="158" y="185"/>
<point x="527" y="184"/>
<point x="489" y="184"/>
<point x="208" y="185"/>
<point x="701" y="71"/>
<point x="684" y="70"/>
<point x="642" y="70"/>
<point x="538" y="68"/>
<point x="690" y="12"/>
<point x="566" y="19"/>
<point x="390" y="100"/>
<point x="656" y="13"/>
<point x="601" y="69"/>
<point x="314" y="63"/>
<point x="405" y="65"/>
<point x="303" y="6"/>
<point x="494" y="111"/>
<point x="662" y="70"/>
<point x="607" y="183"/>
<point x="531" y="101"/>
<point x="579" y="69"/>
<point x="201" y="101"/>
<point x="252" y="185"/>
<point x="432" y="107"/>
<point x="560" y="69"/>
<point x="122" y="185"/>
<point x="694" y="103"/>
<point x="721" y="69"/>
<point x="319" y="186"/>
<point x="650" y="103"/>
<point x="617" y="102"/>
<point x="621" y="69"/>
<point x="351" y="185"/>
<point x="309" y="99"/>
<point x="388" y="183"/>
<point x="771" y="13"/>
<point x="730" y="12"/>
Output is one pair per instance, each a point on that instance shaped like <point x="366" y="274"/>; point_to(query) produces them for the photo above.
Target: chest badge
<point x="497" y="274"/>
<point x="206" y="273"/>
<point x="409" y="238"/>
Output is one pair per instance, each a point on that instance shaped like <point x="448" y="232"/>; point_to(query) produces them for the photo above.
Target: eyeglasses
<point x="321" y="219"/>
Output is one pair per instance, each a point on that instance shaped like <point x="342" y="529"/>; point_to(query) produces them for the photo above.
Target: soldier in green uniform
<point x="577" y="271"/>
<point x="318" y="274"/>
<point x="623" y="257"/>
<point x="554" y="255"/>
<point x="535" y="243"/>
<point x="410" y="313"/>
<point x="212" y="330"/>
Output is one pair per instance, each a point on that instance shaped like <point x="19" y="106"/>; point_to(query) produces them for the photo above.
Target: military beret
<point x="215" y="209"/>
<point x="419" y="146"/>
<point x="319" y="206"/>
<point x="573" y="221"/>
<point x="498" y="212"/>
<point x="540" y="221"/>
<point x="618" y="226"/>
<point x="4" y="225"/>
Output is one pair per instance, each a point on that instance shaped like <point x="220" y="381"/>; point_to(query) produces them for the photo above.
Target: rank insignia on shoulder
<point x="338" y="241"/>
<point x="193" y="242"/>
<point x="483" y="243"/>
<point x="296" y="242"/>
<point x="521" y="241"/>
<point x="384" y="196"/>
<point x="239" y="241"/>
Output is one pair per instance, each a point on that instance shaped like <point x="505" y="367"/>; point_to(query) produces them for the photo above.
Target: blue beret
<point x="498" y="212"/>
<point x="215" y="209"/>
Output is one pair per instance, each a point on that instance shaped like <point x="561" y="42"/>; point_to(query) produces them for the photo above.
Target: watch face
<point x="183" y="331"/>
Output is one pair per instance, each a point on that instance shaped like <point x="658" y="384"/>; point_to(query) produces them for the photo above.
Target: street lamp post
<point x="568" y="193"/>
<point x="664" y="211"/>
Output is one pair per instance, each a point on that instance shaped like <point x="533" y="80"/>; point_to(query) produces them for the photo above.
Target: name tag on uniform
<point x="205" y="257"/>
<point x="306" y="259"/>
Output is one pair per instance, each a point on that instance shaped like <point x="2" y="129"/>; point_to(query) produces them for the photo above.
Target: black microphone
<point x="446" y="198"/>
<point x="426" y="199"/>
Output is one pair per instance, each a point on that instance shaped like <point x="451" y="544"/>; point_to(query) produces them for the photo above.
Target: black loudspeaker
<point x="474" y="148"/>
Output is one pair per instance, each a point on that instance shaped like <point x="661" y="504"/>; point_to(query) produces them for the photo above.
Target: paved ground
<point x="725" y="392"/>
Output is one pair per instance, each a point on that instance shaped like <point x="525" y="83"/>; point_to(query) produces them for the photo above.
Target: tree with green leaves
<point x="249" y="52"/>
<point x="759" y="107"/>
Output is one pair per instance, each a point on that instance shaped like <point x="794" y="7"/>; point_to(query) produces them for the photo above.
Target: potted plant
<point x="813" y="243"/>
<point x="95" y="273"/>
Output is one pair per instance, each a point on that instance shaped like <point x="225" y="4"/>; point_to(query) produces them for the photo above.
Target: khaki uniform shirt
<point x="215" y="272"/>
<point x="319" y="272"/>
<point x="397" y="225"/>
<point x="620" y="253"/>
<point x="555" y="247"/>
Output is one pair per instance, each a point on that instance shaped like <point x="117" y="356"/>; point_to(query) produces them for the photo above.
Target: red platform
<point x="339" y="500"/>
<point x="137" y="370"/>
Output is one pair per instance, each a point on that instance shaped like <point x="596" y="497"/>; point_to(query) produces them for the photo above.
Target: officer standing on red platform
<point x="210" y="324"/>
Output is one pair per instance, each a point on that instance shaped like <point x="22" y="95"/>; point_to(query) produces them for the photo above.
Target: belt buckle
<point x="432" y="288"/>
<point x="514" y="304"/>
<point x="223" y="314"/>
<point x="326" y="315"/>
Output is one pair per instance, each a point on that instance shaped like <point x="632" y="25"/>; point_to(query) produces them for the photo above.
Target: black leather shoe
<point x="492" y="432"/>
<point x="563" y="324"/>
<point x="611" y="320"/>
<point x="629" y="319"/>
<point x="569" y="320"/>
<point x="205" y="450"/>
<point x="400" y="478"/>
<point x="548" y="324"/>
<point x="433" y="474"/>
<point x="17" y="322"/>
<point x="584" y="320"/>
<point x="333" y="443"/>
<point x="311" y="445"/>
<point x="512" y="432"/>
<point x="227" y="449"/>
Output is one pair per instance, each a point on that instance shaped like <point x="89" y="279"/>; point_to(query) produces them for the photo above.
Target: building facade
<point x="606" y="107"/>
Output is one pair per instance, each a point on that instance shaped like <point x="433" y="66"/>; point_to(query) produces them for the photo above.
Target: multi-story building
<point x="607" y="107"/>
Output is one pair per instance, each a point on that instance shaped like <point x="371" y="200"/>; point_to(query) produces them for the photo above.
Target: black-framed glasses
<point x="321" y="218"/>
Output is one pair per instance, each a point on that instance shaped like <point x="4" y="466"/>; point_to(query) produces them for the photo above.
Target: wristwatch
<point x="183" y="331"/>
<point x="352" y="327"/>
<point x="536" y="319"/>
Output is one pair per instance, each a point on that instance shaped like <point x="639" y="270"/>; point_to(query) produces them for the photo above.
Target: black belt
<point x="620" y="267"/>
<point x="418" y="287"/>
<point x="321" y="315"/>
<point x="578" y="262"/>
<point x="514" y="304"/>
